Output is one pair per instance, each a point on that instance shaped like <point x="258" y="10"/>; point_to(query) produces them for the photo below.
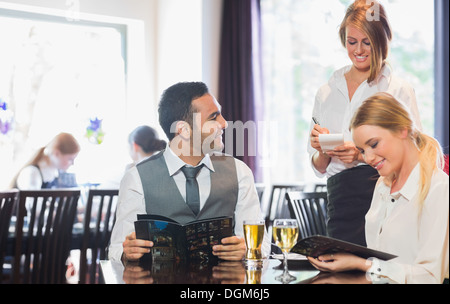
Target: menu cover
<point x="317" y="245"/>
<point x="174" y="241"/>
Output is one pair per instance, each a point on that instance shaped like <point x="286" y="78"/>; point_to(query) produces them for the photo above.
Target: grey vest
<point x="162" y="196"/>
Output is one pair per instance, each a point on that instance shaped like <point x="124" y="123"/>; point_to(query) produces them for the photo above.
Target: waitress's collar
<point x="338" y="78"/>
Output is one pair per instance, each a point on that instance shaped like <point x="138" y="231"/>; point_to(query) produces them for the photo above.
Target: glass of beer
<point x="254" y="234"/>
<point x="285" y="234"/>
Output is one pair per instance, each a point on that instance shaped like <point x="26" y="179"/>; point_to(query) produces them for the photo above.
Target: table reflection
<point x="181" y="272"/>
<point x="352" y="277"/>
<point x="220" y="272"/>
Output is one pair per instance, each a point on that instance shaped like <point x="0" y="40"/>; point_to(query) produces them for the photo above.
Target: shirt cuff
<point x="115" y="253"/>
<point x="384" y="272"/>
<point x="375" y="272"/>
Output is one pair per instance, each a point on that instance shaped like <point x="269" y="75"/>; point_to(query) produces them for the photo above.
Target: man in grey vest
<point x="189" y="180"/>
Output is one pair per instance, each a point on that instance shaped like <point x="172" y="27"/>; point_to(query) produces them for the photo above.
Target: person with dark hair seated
<point x="192" y="120"/>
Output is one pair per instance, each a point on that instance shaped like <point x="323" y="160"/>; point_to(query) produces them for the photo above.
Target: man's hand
<point x="134" y="249"/>
<point x="232" y="249"/>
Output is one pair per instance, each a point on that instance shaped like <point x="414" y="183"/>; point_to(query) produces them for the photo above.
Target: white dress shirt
<point x="334" y="110"/>
<point x="32" y="177"/>
<point x="131" y="201"/>
<point x="420" y="240"/>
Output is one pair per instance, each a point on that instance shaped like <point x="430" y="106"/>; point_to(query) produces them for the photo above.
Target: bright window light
<point x="57" y="77"/>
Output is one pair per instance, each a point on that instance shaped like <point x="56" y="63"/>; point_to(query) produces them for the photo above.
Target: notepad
<point x="328" y="142"/>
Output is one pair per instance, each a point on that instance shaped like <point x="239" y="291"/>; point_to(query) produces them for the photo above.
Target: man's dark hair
<point x="176" y="104"/>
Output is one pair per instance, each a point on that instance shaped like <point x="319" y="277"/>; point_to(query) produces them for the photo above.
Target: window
<point x="301" y="50"/>
<point x="58" y="76"/>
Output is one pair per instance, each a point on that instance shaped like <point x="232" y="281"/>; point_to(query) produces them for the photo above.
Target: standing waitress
<point x="366" y="33"/>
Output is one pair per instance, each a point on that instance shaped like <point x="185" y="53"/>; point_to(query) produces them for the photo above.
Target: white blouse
<point x="31" y="177"/>
<point x="334" y="109"/>
<point x="420" y="239"/>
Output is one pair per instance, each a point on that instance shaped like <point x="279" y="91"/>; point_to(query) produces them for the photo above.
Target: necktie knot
<point x="191" y="172"/>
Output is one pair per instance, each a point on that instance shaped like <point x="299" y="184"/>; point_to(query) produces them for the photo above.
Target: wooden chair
<point x="260" y="188"/>
<point x="43" y="235"/>
<point x="99" y="220"/>
<point x="320" y="188"/>
<point x="310" y="210"/>
<point x="277" y="206"/>
<point x="8" y="200"/>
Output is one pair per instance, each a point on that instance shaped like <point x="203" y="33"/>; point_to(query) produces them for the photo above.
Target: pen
<point x="315" y="121"/>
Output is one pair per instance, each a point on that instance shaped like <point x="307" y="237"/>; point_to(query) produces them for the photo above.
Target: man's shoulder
<point x="220" y="156"/>
<point x="240" y="165"/>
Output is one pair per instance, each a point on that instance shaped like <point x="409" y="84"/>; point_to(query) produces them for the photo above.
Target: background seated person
<point x="144" y="142"/>
<point x="45" y="169"/>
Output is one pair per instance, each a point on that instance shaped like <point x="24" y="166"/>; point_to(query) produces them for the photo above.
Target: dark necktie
<point x="192" y="192"/>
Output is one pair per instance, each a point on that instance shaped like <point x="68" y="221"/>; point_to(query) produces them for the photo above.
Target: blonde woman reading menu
<point x="409" y="213"/>
<point x="365" y="33"/>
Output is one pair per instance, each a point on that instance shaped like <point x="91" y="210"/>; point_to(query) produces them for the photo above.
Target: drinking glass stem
<point x="285" y="262"/>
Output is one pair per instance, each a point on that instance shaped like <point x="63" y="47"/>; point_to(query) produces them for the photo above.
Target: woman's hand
<point x="314" y="137"/>
<point x="339" y="262"/>
<point x="347" y="153"/>
<point x="320" y="160"/>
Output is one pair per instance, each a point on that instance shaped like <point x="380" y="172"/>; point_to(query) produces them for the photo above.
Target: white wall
<point x="212" y="26"/>
<point x="168" y="41"/>
<point x="188" y="36"/>
<point x="179" y="53"/>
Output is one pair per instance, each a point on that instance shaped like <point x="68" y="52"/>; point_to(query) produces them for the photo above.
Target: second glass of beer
<point x="254" y="235"/>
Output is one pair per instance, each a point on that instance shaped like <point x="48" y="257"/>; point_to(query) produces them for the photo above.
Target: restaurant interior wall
<point x="156" y="34"/>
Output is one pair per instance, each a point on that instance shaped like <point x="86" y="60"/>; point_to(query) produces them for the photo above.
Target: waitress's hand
<point x="314" y="137"/>
<point x="347" y="153"/>
<point x="320" y="160"/>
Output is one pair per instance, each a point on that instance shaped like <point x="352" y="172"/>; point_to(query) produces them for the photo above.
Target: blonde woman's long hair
<point x="383" y="110"/>
<point x="373" y="21"/>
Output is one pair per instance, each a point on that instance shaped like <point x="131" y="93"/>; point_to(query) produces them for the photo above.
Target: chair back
<point x="7" y="202"/>
<point x="260" y="188"/>
<point x="43" y="235"/>
<point x="277" y="206"/>
<point x="99" y="218"/>
<point x="320" y="187"/>
<point x="310" y="210"/>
